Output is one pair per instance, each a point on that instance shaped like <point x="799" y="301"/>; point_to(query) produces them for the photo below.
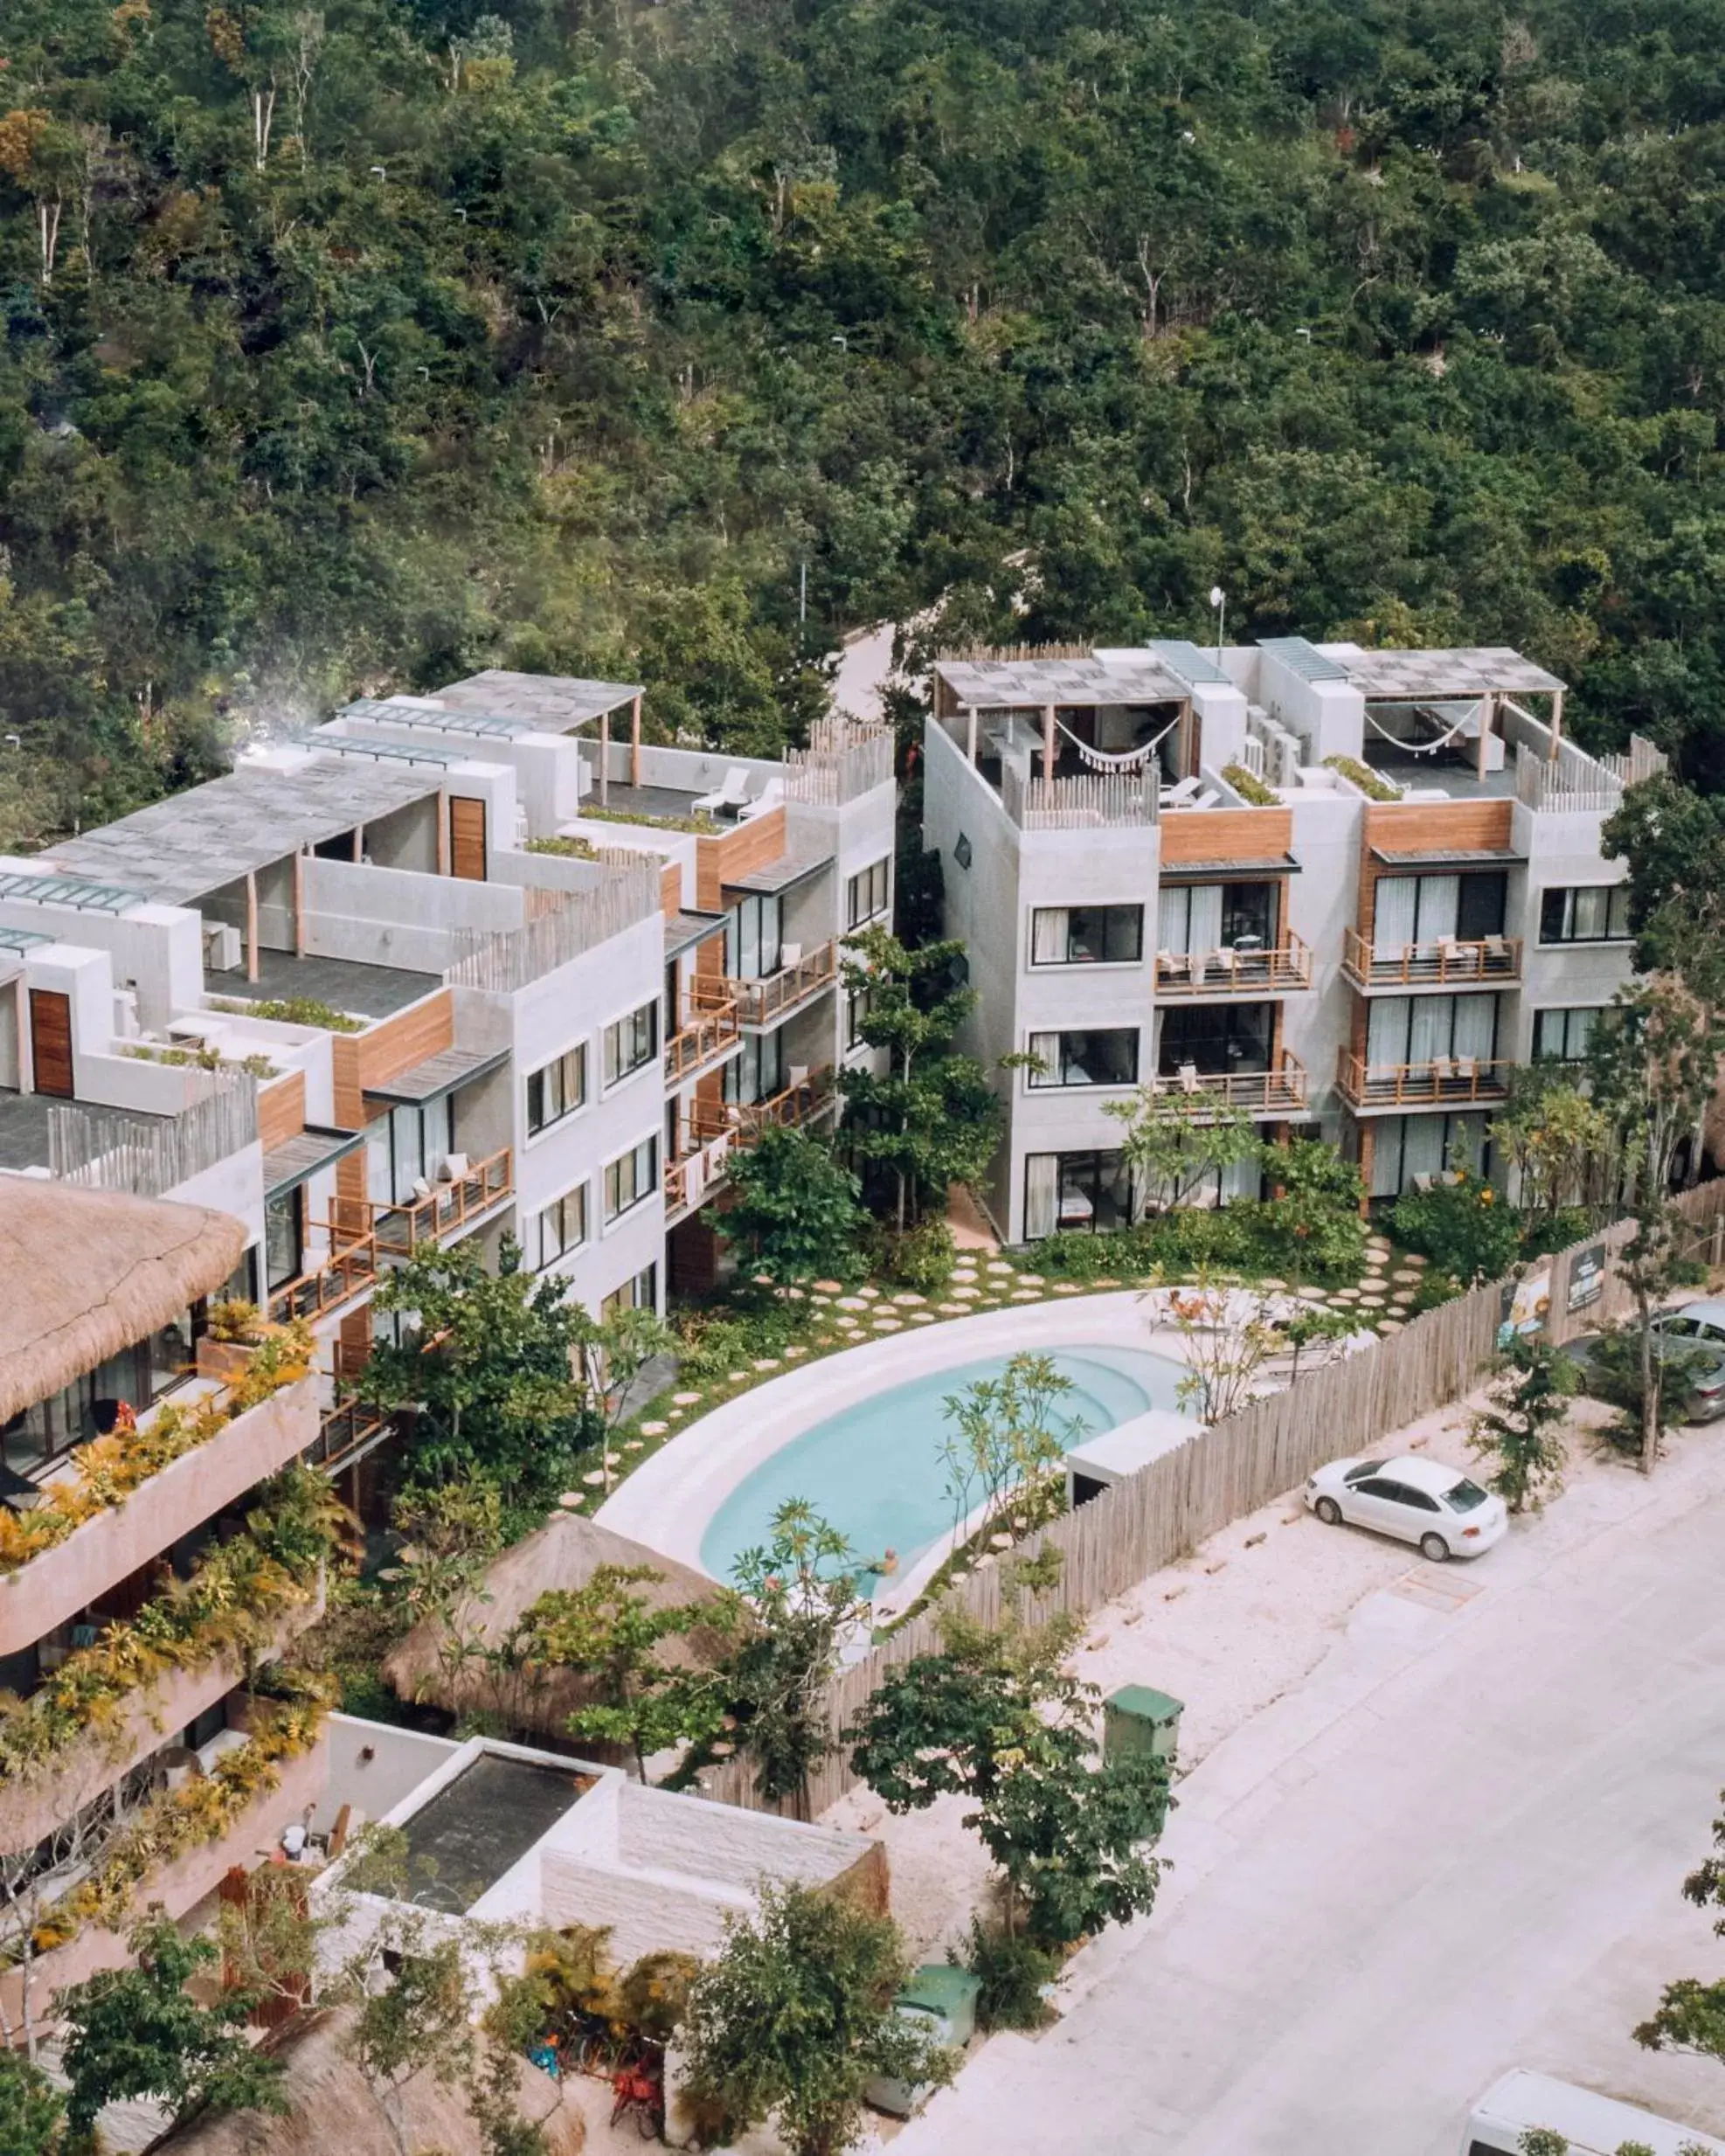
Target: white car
<point x="1417" y="1501"/>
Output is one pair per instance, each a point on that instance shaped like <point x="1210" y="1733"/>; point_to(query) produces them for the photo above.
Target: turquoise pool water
<point x="874" y="1470"/>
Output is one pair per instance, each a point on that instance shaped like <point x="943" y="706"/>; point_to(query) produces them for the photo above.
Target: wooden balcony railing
<point x="692" y="1180"/>
<point x="807" y="1101"/>
<point x="1446" y="962"/>
<point x="345" y="1435"/>
<point x="1235" y="971"/>
<point x="1446" y="1081"/>
<point x="1279" y="1090"/>
<point x="712" y="1031"/>
<point x="363" y="1236"/>
<point x="764" y="1002"/>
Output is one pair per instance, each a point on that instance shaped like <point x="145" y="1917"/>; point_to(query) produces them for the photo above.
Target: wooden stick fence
<point x="1222" y="1473"/>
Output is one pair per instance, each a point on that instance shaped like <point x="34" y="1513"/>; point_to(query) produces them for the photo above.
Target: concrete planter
<point x="224" y="1360"/>
<point x="55" y="1585"/>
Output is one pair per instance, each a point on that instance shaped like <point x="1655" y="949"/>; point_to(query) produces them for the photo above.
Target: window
<point x="1562" y="1035"/>
<point x="557" y="1090"/>
<point x="1077" y="1193"/>
<point x="1405" y="1147"/>
<point x="406" y="1148"/>
<point x="1216" y="916"/>
<point x="1105" y="1058"/>
<point x="1408" y="910"/>
<point x="868" y="892"/>
<point x="1585" y="913"/>
<point x="1464" y="1496"/>
<point x="1215" y="1038"/>
<point x="639" y="1293"/>
<point x="857" y="1005"/>
<point x="1411" y="1032"/>
<point x="284" y="1235"/>
<point x="562" y="1225"/>
<point x="631" y="1042"/>
<point x="1090" y="935"/>
<point x="632" y="1179"/>
<point x="752" y="937"/>
<point x="759" y="1072"/>
<point x="962" y="852"/>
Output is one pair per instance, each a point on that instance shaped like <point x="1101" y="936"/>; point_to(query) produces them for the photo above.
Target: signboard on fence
<point x="1587" y="1277"/>
<point x="1525" y="1306"/>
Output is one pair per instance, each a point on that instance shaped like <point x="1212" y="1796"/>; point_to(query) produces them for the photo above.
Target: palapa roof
<point x="88" y="1272"/>
<point x="564" y="1554"/>
<point x="336" y="2112"/>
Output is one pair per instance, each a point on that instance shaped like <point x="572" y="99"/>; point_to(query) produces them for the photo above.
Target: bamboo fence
<point x="1222" y="1473"/>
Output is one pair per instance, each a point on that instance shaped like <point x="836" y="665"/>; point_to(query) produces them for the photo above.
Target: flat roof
<point x="184" y="848"/>
<point x="300" y="1157"/>
<point x="466" y="1834"/>
<point x="1475" y="670"/>
<point x="683" y="931"/>
<point x="1026" y="684"/>
<point x="551" y="703"/>
<point x="441" y="1073"/>
<point x="345" y="984"/>
<point x="781" y="874"/>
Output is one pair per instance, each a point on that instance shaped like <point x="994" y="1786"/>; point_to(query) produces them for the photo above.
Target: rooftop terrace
<point x="344" y="984"/>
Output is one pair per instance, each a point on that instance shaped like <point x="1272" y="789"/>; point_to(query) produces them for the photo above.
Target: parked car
<point x="1417" y="1501"/>
<point x="1694" y="1338"/>
<point x="1587" y="2125"/>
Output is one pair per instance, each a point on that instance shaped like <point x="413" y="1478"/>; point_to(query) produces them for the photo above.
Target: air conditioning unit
<point x="223" y="950"/>
<point x="1287" y="756"/>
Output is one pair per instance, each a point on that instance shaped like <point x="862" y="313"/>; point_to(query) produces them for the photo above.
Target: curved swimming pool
<point x="874" y="1471"/>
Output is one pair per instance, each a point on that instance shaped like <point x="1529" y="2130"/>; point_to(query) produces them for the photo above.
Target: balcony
<point x="1240" y="971"/>
<point x="1280" y="1090"/>
<point x="712" y="1034"/>
<point x="345" y="1434"/>
<point x="111" y="1545"/>
<point x="365" y="1235"/>
<point x="1099" y="800"/>
<point x="720" y="1127"/>
<point x="1446" y="962"/>
<point x="1445" y="1082"/>
<point x="765" y="1002"/>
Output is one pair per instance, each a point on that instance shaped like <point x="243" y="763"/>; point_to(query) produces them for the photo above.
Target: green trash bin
<point x="1137" y="1721"/>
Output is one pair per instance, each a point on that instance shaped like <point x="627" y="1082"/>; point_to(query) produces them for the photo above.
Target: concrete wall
<point x="1563" y="847"/>
<point x="1322" y="904"/>
<point x="400" y="1760"/>
<point x="159" y="949"/>
<point x="394" y="917"/>
<point x="110" y="1547"/>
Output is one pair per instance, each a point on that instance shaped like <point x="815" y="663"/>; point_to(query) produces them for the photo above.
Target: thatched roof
<point x="335" y="2111"/>
<point x="88" y="1272"/>
<point x="564" y="1553"/>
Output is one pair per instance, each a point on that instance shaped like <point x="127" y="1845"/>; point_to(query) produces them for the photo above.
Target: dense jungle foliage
<point x="359" y="344"/>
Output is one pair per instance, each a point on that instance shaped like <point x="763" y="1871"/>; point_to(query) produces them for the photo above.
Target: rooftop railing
<point x="1445" y="1081"/>
<point x="844" y="760"/>
<point x="1093" y="800"/>
<point x="108" y="1151"/>
<point x="569" y="925"/>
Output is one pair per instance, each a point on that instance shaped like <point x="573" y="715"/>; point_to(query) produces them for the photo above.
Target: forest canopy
<point x="352" y="346"/>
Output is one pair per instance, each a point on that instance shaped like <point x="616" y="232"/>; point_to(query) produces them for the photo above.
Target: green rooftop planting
<point x="1251" y="788"/>
<point x="1375" y="787"/>
<point x="291" y="1010"/>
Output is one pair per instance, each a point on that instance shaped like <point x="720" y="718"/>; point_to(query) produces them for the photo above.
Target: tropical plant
<point x="1005" y="1438"/>
<point x="1174" y="1143"/>
<point x="794" y="2017"/>
<point x="1460" y="1225"/>
<point x="1012" y="1974"/>
<point x="1227" y="1335"/>
<point x="1520" y="1426"/>
<point x="32" y="2111"/>
<point x="794" y="1213"/>
<point x="1691" y="2014"/>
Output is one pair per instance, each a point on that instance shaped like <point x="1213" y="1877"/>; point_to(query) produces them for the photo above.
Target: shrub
<point x="922" y="1257"/>
<point x="1249" y="786"/>
<point x="1012" y="1971"/>
<point x="715" y="1342"/>
<point x="1374" y="788"/>
<point x="1460" y="1225"/>
<point x="293" y="1010"/>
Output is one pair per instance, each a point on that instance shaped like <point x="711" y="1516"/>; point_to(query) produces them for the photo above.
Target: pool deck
<point x="669" y="1502"/>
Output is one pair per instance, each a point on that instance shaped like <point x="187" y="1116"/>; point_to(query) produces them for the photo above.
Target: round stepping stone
<point x="791" y="1352"/>
<point x="1314" y="1295"/>
<point x="1371" y="1302"/>
<point x="997" y="1264"/>
<point x="1346" y="1294"/>
<point x="829" y="1288"/>
<point x="634" y="1444"/>
<point x="910" y="1299"/>
<point x="1026" y="1294"/>
<point x="738" y="1377"/>
<point x="677" y="1415"/>
<point x="1404" y="1272"/>
<point x="1032" y="1280"/>
<point x="1067" y="1287"/>
<point x="852" y="1302"/>
<point x="1392" y="1325"/>
<point x="964" y="1294"/>
<point x="651" y="1430"/>
<point x="923" y="1317"/>
<point x="1105" y="1284"/>
<point x="869" y="1294"/>
<point x="1269" y="1284"/>
<point x="767" y="1362"/>
<point x="849" y="1325"/>
<point x="1402" y="1295"/>
<point x="571" y="1501"/>
<point x="687" y="1399"/>
<point x="593" y="1477"/>
<point x="954" y="1309"/>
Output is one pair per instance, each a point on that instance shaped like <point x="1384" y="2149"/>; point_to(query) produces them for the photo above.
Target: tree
<point x="1313" y="1325"/>
<point x="136" y="2033"/>
<point x="1559" y="1145"/>
<point x="1315" y="1213"/>
<point x="1521" y="1425"/>
<point x="1175" y="1142"/>
<point x="794" y="1212"/>
<point x="1006" y="1436"/>
<point x="1227" y="1335"/>
<point x="613" y="1636"/>
<point x="454" y="1533"/>
<point x="932" y="1119"/>
<point x="803" y="1586"/>
<point x="1691" y="2014"/>
<point x="794" y="2016"/>
<point x="1461" y="1225"/>
<point x="32" y="2111"/>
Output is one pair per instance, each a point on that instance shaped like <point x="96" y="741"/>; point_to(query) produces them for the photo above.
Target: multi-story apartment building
<point x="1346" y="891"/>
<point x="450" y="967"/>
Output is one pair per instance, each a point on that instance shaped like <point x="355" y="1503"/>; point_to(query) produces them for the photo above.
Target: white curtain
<point x="1429" y="1031"/>
<point x="1474" y="1028"/>
<point x="1395" y="911"/>
<point x="1440" y="903"/>
<point x="1387" y="1031"/>
<point x="1205" y="931"/>
<point x="1387" y="1156"/>
<point x="1048" y="936"/>
<point x="1240" y="1179"/>
<point x="1171" y="920"/>
<point x="1422" y="1147"/>
<point x="1041" y="1194"/>
<point x="1046" y="1048"/>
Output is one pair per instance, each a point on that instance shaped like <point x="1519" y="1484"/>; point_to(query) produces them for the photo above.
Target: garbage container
<point x="943" y="1999"/>
<point x="1137" y="1721"/>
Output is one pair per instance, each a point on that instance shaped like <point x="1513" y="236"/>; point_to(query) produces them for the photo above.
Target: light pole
<point x="1219" y="601"/>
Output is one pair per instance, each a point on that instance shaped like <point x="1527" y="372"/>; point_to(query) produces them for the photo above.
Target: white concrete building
<point x="1348" y="891"/>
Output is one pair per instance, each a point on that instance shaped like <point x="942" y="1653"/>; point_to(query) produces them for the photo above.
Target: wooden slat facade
<point x="721" y="860"/>
<point x="51" y="1043"/>
<point x="281" y="1110"/>
<point x="1426" y="827"/>
<point x="1225" y="834"/>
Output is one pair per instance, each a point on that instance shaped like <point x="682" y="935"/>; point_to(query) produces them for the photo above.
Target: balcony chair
<point x="730" y="797"/>
<point x="1177" y="965"/>
<point x="789" y="954"/>
<point x="1187" y="1076"/>
<point x="771" y="795"/>
<point x="1181" y="792"/>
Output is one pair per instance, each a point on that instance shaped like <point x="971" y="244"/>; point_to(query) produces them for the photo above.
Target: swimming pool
<point x="873" y="1472"/>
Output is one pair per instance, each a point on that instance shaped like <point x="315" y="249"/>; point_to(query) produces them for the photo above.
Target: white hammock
<point x="1102" y="760"/>
<point x="1427" y="748"/>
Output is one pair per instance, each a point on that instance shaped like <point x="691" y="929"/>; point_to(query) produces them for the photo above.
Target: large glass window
<point x="631" y="1042"/>
<point x="753" y="937"/>
<point x="1215" y="1038"/>
<point x="562" y="1225"/>
<point x="1405" y="1147"/>
<point x="629" y="1181"/>
<point x="1107" y="1056"/>
<point x="405" y="1150"/>
<point x="758" y="1073"/>
<point x="1086" y="935"/>
<point x="1076" y="1193"/>
<point x="1563" y="1035"/>
<point x="1413" y="1031"/>
<point x="1216" y="916"/>
<point x="557" y="1089"/>
<point x="1419" y="909"/>
<point x="284" y="1235"/>
<point x="1585" y="913"/>
<point x="868" y="893"/>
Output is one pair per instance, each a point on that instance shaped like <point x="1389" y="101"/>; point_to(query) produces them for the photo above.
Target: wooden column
<point x="299" y="904"/>
<point x="358" y="842"/>
<point x="251" y="924"/>
<point x="443" y="832"/>
<point x="1367" y="1146"/>
<point x="1488" y="713"/>
<point x="970" y="733"/>
<point x="1048" y="748"/>
<point x="634" y="743"/>
<point x="605" y="759"/>
<point x="1557" y="721"/>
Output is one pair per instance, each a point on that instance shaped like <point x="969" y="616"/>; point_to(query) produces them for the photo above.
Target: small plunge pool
<point x="873" y="1471"/>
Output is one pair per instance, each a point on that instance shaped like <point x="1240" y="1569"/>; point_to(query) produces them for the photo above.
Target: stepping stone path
<point x="1032" y="1280"/>
<point x="675" y="1414"/>
<point x="869" y="1294"/>
<point x="634" y="1445"/>
<point x="1314" y="1294"/>
<point x="889" y="1325"/>
<point x="909" y="1299"/>
<point x="1402" y="1294"/>
<point x="766" y="1363"/>
<point x="922" y="1317"/>
<point x="954" y="1309"/>
<point x="571" y="1501"/>
<point x="1105" y="1283"/>
<point x="1391" y="1325"/>
<point x="594" y="1476"/>
<point x="1346" y="1294"/>
<point x="848" y="1325"/>
<point x="829" y="1288"/>
<point x="687" y="1399"/>
<point x="965" y="1294"/>
<point x="1404" y="1272"/>
<point x="648" y="1430"/>
<point x="997" y="1264"/>
<point x="1066" y="1287"/>
<point x="852" y="1302"/>
<point x="1026" y="1294"/>
<point x="613" y="1460"/>
<point x="1274" y="1284"/>
<point x="1371" y="1302"/>
<point x="791" y="1352"/>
